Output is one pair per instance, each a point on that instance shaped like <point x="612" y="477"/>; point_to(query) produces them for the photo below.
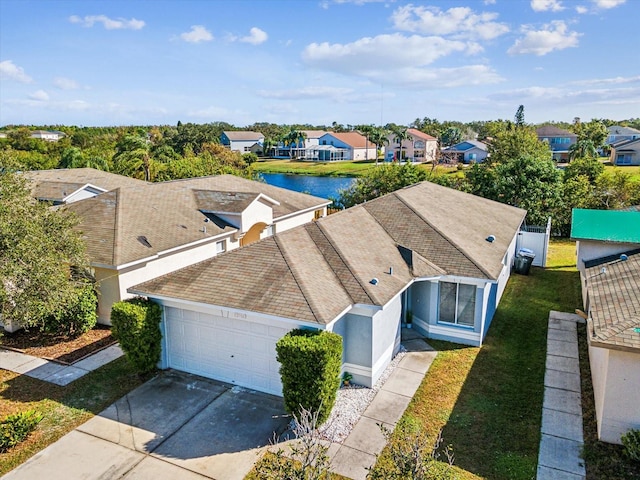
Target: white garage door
<point x="232" y="350"/>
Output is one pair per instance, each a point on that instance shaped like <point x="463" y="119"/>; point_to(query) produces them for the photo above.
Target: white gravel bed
<point x="351" y="402"/>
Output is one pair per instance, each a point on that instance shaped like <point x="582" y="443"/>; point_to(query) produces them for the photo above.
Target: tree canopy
<point x="42" y="257"/>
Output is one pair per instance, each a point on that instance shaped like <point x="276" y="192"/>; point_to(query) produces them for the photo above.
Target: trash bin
<point x="524" y="259"/>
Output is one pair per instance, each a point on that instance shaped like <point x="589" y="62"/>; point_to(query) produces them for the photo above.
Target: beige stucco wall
<point x="616" y="383"/>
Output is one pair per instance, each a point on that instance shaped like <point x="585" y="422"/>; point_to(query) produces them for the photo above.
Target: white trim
<point x="86" y="185"/>
<point x="452" y="332"/>
<point x="300" y="212"/>
<point x="227" y="311"/>
<point x="356" y="369"/>
<point x="382" y="363"/>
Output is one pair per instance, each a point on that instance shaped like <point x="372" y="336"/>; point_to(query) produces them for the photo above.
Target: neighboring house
<point x="419" y="147"/>
<point x="625" y="152"/>
<point x="360" y="273"/>
<point x="618" y="133"/>
<point x="468" y="151"/>
<point x="242" y="141"/>
<point x="303" y="149"/>
<point x="608" y="248"/>
<point x="48" y="135"/>
<point x="342" y="146"/>
<point x="136" y="231"/>
<point x="559" y="141"/>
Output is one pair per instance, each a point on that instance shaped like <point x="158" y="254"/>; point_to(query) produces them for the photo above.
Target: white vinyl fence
<point x="535" y="238"/>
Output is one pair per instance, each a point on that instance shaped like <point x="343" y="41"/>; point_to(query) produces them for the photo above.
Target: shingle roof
<point x="551" y="131"/>
<point x="420" y="231"/>
<point x="614" y="302"/>
<point x="138" y="219"/>
<point x="620" y="130"/>
<point x="472" y="143"/>
<point x="244" y="135"/>
<point x="313" y="133"/>
<point x="606" y="225"/>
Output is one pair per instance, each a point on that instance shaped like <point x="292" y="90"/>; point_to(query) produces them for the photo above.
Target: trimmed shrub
<point x="136" y="325"/>
<point x="78" y="317"/>
<point x="15" y="428"/>
<point x="631" y="442"/>
<point x="310" y="364"/>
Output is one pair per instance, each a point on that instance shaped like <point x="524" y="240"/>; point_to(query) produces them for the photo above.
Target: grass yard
<point x="488" y="401"/>
<point x="632" y="170"/>
<point x="63" y="408"/>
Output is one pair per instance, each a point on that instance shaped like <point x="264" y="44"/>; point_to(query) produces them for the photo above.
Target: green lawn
<point x="64" y="408"/>
<point x="633" y="171"/>
<point x="488" y="401"/>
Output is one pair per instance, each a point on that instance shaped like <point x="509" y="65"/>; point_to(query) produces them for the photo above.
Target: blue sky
<point x="316" y="61"/>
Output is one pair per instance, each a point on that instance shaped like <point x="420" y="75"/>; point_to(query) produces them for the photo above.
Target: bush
<point x="78" y="317"/>
<point x="15" y="428"/>
<point x="310" y="364"/>
<point x="631" y="442"/>
<point x="136" y="325"/>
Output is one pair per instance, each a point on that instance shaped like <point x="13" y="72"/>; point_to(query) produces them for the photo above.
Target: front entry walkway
<point x="562" y="440"/>
<point x="358" y="451"/>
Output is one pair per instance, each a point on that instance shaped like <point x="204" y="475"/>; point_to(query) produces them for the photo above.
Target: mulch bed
<point x="57" y="347"/>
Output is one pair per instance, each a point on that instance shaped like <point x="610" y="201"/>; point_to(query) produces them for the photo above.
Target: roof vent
<point x="374" y="281"/>
<point x="624" y="258"/>
<point x="143" y="240"/>
<point x="491" y="238"/>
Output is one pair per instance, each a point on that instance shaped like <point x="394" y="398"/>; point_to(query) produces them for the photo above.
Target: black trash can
<point x="524" y="259"/>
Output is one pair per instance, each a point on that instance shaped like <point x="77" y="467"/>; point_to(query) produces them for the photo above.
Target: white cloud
<point x="459" y="22"/>
<point x="108" y="23"/>
<point x="11" y="71"/>
<point x="255" y="37"/>
<point x="197" y="34"/>
<point x="64" y="83"/>
<point x="608" y="3"/>
<point x="553" y="36"/>
<point x="581" y="9"/>
<point x="489" y="2"/>
<point x="608" y="81"/>
<point x="39" y="95"/>
<point x="384" y="52"/>
<point x="546" y="5"/>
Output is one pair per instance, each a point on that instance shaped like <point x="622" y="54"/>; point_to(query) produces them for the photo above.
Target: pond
<point x="324" y="187"/>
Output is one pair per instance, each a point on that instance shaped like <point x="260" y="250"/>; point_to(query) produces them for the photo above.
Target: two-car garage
<point x="229" y="346"/>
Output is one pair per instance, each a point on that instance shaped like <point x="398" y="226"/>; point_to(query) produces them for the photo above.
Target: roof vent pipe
<point x="390" y="270"/>
<point x="374" y="281"/>
<point x="491" y="238"/>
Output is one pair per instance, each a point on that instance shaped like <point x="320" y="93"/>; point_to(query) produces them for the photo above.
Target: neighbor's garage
<point x="228" y="346"/>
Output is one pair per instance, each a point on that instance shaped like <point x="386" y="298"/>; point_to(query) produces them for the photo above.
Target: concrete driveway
<point x="175" y="426"/>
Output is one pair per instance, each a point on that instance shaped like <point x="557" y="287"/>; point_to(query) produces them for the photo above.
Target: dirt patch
<point x="57" y="347"/>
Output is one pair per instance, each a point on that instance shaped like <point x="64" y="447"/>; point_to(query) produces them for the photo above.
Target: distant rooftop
<point x="606" y="225"/>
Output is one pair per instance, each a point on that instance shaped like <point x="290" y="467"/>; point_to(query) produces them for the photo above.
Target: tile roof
<point x="614" y="302"/>
<point x="313" y="133"/>
<point x="353" y="139"/>
<point x="606" y="225"/>
<point x="134" y="220"/>
<point x="417" y="133"/>
<point x="424" y="230"/>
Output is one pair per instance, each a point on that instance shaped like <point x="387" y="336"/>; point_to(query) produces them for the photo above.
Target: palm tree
<point x="401" y="134"/>
<point x="583" y="149"/>
<point x="133" y="157"/>
<point x="293" y="139"/>
<point x="380" y="137"/>
<point x="268" y="146"/>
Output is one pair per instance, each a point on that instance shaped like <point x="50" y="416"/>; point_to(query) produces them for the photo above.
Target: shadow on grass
<point x="494" y="426"/>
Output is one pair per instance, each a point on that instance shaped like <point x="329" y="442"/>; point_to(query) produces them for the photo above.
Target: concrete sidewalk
<point x="54" y="372"/>
<point x="562" y="440"/>
<point x="358" y="451"/>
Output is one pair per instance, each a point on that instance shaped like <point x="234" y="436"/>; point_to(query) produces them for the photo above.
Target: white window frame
<point x="456" y="320"/>
<point x="221" y="246"/>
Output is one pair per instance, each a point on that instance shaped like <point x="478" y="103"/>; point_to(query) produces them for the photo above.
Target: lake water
<point x="324" y="187"/>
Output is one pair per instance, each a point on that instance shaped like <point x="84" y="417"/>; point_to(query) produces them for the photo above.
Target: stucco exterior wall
<point x="297" y="220"/>
<point x="257" y="212"/>
<point x="386" y="337"/>
<point x="616" y="383"/>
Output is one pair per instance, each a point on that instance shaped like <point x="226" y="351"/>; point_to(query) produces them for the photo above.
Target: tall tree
<point x="133" y="157"/>
<point x="401" y="134"/>
<point x="37" y="247"/>
<point x="380" y="137"/>
<point x="519" y="117"/>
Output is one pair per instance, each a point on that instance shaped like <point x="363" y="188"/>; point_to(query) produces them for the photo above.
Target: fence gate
<point x="535" y="238"/>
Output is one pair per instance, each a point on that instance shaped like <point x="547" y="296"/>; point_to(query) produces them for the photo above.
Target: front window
<point x="457" y="303"/>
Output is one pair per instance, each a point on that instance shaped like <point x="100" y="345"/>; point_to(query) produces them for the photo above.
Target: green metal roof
<point x="605" y="225"/>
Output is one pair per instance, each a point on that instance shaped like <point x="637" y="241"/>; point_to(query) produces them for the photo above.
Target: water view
<point x="324" y="187"/>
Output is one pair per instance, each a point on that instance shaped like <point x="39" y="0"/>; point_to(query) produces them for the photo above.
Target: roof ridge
<point x="446" y="237"/>
<point x="295" y="278"/>
<point x="617" y="328"/>
<point x="347" y="265"/>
